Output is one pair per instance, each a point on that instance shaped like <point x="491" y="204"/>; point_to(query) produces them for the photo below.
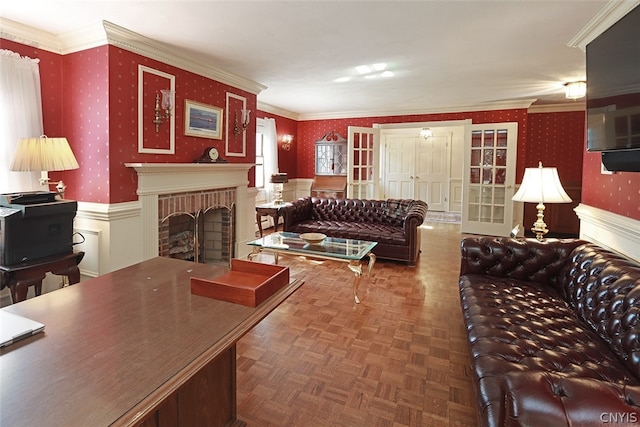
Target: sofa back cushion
<point x="604" y="290"/>
<point x="523" y="259"/>
<point x="347" y="210"/>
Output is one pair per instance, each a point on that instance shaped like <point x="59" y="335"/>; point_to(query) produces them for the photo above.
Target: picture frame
<point x="202" y="120"/>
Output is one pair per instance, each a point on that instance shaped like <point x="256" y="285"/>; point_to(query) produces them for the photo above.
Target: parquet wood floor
<point x="399" y="358"/>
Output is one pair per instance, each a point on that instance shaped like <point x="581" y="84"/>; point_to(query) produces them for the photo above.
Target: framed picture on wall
<point x="202" y="120"/>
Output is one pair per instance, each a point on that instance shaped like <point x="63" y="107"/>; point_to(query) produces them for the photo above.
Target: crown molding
<point x="134" y="42"/>
<point x="611" y="13"/>
<point x="105" y="32"/>
<point x="559" y="108"/>
<point x="23" y="34"/>
<point x="268" y="108"/>
<point x="485" y="106"/>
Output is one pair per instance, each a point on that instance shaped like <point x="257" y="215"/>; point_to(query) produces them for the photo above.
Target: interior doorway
<point x="430" y="170"/>
<point x="418" y="168"/>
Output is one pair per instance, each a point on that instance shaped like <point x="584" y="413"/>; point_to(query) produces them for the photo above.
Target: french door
<point x="415" y="168"/>
<point x="489" y="178"/>
<point x="363" y="176"/>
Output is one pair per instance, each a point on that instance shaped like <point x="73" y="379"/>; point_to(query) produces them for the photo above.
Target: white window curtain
<point x="20" y="116"/>
<point x="270" y="149"/>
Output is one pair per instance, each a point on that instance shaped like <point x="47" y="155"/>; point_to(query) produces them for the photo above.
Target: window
<point x="260" y="179"/>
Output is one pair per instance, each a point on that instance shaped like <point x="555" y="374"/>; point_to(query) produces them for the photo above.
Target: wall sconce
<point x="44" y="154"/>
<point x="163" y="109"/>
<point x="541" y="185"/>
<point x="286" y="142"/>
<point x="575" y="90"/>
<point x="426" y="133"/>
<point x="244" y="121"/>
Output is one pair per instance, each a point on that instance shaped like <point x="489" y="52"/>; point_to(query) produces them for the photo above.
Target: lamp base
<point x="539" y="227"/>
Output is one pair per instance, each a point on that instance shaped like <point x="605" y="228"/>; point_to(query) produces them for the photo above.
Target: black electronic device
<point x="30" y="229"/>
<point x="27" y="198"/>
<point x="613" y="94"/>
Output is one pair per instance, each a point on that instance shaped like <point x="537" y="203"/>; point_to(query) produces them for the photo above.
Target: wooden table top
<point x="116" y="345"/>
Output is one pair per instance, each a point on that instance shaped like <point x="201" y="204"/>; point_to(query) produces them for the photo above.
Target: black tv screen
<point x="613" y="87"/>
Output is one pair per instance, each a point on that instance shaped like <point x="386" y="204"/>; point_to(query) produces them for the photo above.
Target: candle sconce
<point x="163" y="107"/>
<point x="241" y="126"/>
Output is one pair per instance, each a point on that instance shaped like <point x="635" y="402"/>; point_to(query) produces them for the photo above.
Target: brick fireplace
<point x="198" y="225"/>
<point x="202" y="204"/>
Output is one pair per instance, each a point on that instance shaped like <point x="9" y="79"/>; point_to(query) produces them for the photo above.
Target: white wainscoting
<point x="609" y="230"/>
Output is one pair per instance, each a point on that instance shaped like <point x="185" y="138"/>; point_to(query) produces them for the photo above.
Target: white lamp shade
<point x="541" y="185"/>
<point x="43" y="154"/>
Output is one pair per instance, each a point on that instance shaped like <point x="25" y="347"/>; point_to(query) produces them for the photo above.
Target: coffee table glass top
<point x="334" y="247"/>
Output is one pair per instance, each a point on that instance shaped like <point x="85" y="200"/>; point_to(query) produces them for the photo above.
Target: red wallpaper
<point x="618" y="193"/>
<point x="557" y="140"/>
<point x="85" y="98"/>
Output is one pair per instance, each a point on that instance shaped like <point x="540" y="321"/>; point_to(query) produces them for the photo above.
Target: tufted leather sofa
<point x="392" y="223"/>
<point x="553" y="329"/>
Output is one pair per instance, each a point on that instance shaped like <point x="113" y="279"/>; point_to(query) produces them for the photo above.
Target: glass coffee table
<point x="332" y="248"/>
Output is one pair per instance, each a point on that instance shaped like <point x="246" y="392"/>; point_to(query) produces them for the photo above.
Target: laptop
<point x="14" y="327"/>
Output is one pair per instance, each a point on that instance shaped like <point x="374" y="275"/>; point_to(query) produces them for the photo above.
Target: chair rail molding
<point x="609" y="230"/>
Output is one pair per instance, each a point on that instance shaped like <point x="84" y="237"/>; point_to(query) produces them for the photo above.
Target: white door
<point x="398" y="167"/>
<point x="364" y="167"/>
<point x="415" y="168"/>
<point x="489" y="179"/>
<point x="431" y="175"/>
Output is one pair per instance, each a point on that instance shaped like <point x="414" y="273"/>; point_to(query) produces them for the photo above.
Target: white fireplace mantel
<point x="166" y="178"/>
<point x="155" y="179"/>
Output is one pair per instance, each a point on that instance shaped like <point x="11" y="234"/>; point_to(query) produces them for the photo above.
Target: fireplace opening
<point x="197" y="226"/>
<point x="180" y="241"/>
<point x="205" y="236"/>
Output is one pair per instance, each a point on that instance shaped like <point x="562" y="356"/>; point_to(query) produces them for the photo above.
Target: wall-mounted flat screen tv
<point x="613" y="88"/>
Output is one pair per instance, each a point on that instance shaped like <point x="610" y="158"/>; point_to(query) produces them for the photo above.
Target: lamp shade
<point x="541" y="185"/>
<point x="43" y="154"/>
<point x="279" y="178"/>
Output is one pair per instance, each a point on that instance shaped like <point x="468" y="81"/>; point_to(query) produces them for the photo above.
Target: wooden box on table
<point x="247" y="283"/>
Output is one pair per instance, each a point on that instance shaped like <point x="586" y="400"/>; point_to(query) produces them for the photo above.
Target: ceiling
<point x="443" y="54"/>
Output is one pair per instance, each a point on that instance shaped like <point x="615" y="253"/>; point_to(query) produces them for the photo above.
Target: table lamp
<point x="278" y="179"/>
<point x="541" y="185"/>
<point x="44" y="154"/>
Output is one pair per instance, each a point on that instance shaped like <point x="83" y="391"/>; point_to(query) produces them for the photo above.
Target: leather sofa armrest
<point x="517" y="258"/>
<point x="416" y="213"/>
<point x="299" y="210"/>
<point x="550" y="399"/>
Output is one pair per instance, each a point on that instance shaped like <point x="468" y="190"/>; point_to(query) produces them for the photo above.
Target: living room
<point x="90" y="94"/>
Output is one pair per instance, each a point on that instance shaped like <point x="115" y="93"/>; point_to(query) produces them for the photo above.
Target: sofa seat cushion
<point x="373" y="232"/>
<point x="513" y="325"/>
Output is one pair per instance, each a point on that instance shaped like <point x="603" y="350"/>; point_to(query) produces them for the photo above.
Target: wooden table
<point x="19" y="277"/>
<point x="132" y="347"/>
<point x="269" y="209"/>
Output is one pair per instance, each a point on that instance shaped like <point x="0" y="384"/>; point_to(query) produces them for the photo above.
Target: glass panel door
<point x="364" y="168"/>
<point x="489" y="177"/>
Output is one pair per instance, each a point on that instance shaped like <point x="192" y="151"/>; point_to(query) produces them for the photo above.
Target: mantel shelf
<point x="188" y="167"/>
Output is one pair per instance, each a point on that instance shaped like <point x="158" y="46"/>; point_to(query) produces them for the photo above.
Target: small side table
<point x="19" y="277"/>
<point x="269" y="209"/>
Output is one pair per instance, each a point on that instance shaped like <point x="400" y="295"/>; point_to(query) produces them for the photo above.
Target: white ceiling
<point x="444" y="54"/>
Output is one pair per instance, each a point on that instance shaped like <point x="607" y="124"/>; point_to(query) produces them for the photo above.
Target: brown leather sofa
<point x="392" y="223"/>
<point x="554" y="330"/>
